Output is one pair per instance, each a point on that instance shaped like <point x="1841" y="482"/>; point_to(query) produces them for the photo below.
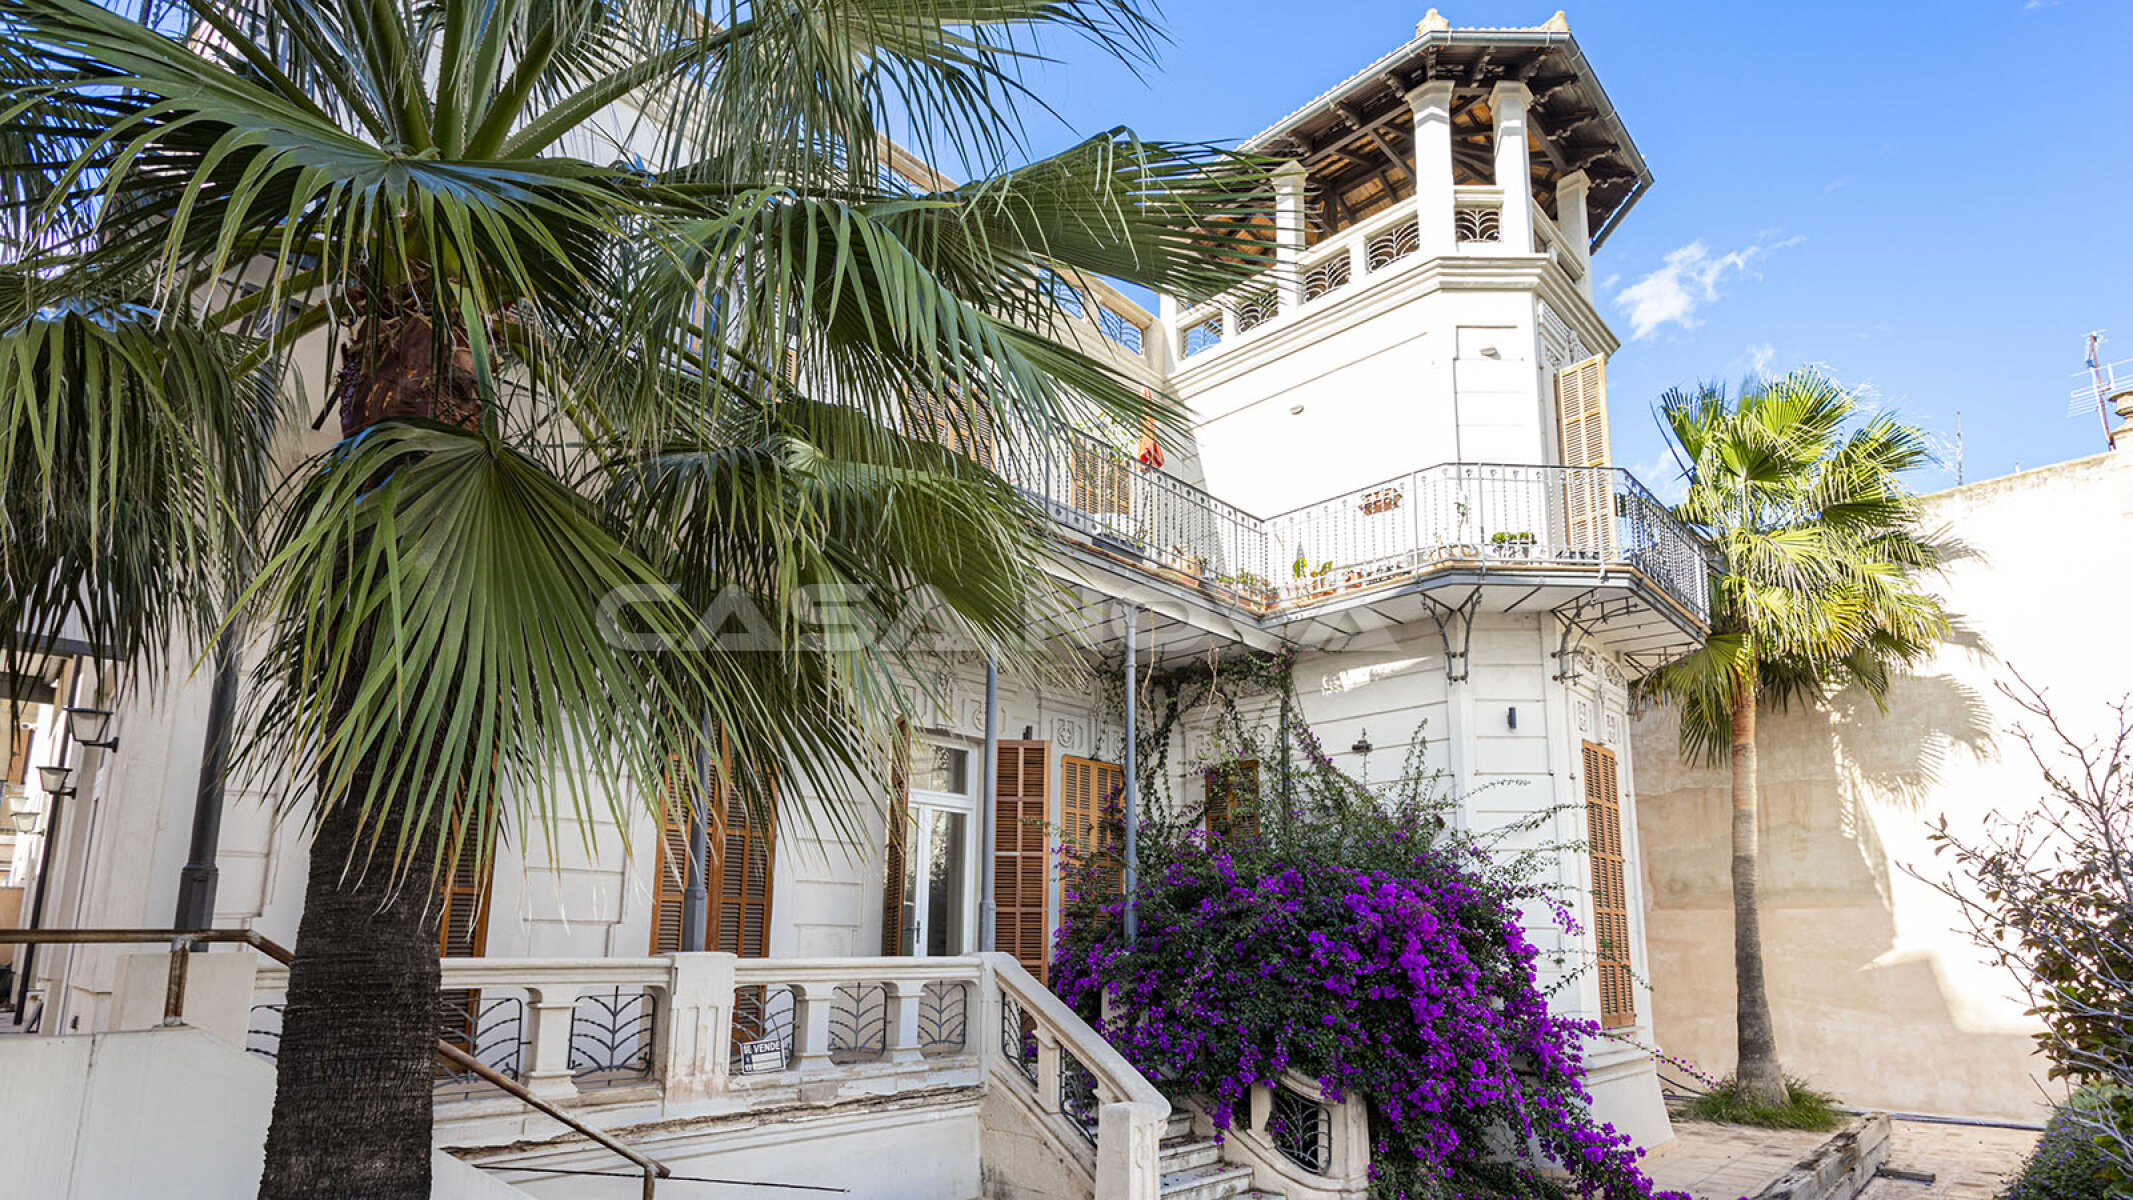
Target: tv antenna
<point x="2101" y="390"/>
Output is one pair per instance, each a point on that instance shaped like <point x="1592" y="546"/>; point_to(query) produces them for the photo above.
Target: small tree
<point x="2054" y="905"/>
<point x="1816" y="562"/>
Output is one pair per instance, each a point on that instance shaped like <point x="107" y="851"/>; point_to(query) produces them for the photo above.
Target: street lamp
<point x="92" y="727"/>
<point x="54" y="780"/>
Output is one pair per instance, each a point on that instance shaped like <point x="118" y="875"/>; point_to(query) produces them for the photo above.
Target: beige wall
<point x="1877" y="997"/>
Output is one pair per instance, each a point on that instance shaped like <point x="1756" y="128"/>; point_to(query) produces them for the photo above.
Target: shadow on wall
<point x="1864" y="1008"/>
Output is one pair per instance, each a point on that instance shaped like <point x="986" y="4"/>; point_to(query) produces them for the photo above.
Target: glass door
<point x="939" y="899"/>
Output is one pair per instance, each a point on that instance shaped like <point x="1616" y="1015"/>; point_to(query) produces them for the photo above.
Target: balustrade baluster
<point x="904" y="998"/>
<point x="811" y="1024"/>
<point x="1047" y="1069"/>
<point x="547" y="1073"/>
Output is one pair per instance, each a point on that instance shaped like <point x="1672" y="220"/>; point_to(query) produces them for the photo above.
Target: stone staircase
<point x="1193" y="1168"/>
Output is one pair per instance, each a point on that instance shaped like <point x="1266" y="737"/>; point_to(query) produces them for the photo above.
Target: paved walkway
<point x="1967" y="1162"/>
<point x="1726" y="1162"/>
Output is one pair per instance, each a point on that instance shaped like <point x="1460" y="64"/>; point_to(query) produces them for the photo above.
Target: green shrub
<point x="1806" y="1108"/>
<point x="2067" y="1164"/>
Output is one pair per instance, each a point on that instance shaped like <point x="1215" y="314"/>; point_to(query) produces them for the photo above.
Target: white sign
<point x="763" y="1057"/>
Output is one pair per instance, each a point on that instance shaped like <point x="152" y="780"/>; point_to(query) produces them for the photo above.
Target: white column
<point x="1514" y="171"/>
<point x="1432" y="103"/>
<point x="1289" y="234"/>
<point x="901" y="999"/>
<point x="548" y="1073"/>
<point x="1571" y="221"/>
<point x="814" y="1002"/>
<point x="695" y="1020"/>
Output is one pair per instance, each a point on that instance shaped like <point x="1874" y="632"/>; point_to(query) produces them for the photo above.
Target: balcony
<point x="1587" y="537"/>
<point x="1359" y="258"/>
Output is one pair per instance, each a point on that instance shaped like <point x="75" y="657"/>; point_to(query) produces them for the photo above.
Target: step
<point x="1216" y="1182"/>
<point x="1185" y="1153"/>
<point x="1180" y="1124"/>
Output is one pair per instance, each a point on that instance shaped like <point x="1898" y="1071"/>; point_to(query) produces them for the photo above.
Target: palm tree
<point x="1816" y="566"/>
<point x="609" y="298"/>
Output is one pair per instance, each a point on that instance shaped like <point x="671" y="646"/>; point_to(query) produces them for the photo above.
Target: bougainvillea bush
<point x="1373" y="950"/>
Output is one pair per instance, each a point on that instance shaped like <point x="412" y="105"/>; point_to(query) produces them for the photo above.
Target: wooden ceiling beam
<point x="1391" y="155"/>
<point x="1548" y="146"/>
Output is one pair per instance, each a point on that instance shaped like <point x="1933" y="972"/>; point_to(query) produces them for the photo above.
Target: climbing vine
<point x="1354" y="933"/>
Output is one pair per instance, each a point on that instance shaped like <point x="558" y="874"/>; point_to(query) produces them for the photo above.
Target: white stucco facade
<point x="1377" y="473"/>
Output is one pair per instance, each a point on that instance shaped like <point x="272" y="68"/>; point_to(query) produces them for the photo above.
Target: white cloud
<point x="1686" y="281"/>
<point x="1760" y="356"/>
<point x="1663" y="475"/>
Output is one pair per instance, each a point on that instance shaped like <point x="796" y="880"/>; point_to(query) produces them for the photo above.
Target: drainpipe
<point x="988" y="908"/>
<point x="1133" y="814"/>
<point x="197" y="880"/>
<point x="696" y="891"/>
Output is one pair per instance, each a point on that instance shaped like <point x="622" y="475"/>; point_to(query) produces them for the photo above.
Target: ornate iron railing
<point x="1479" y="514"/>
<point x="1301" y="1128"/>
<point x="611" y="1035"/>
<point x="1077" y="1095"/>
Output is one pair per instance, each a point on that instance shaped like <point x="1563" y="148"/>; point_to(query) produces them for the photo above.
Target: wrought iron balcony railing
<point x="1479" y="515"/>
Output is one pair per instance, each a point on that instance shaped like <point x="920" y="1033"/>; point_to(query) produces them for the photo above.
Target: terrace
<point x="1455" y="538"/>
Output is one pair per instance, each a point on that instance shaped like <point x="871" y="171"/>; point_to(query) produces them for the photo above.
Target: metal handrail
<point x="182" y="942"/>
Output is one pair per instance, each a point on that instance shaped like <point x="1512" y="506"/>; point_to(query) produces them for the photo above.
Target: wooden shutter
<point x="1099" y="479"/>
<point x="670" y="876"/>
<point x="1588" y="496"/>
<point x="463" y="926"/>
<point x="18" y="750"/>
<point x="741" y="866"/>
<point x="463" y="929"/>
<point x="893" y="941"/>
<point x="1085" y="787"/>
<point x="1610" y="891"/>
<point x="1233" y="798"/>
<point x="1021" y="875"/>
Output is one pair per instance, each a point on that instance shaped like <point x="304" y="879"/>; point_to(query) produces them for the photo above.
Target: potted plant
<point x="1506" y="544"/>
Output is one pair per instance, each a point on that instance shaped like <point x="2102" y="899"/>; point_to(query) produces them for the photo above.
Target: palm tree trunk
<point x="359" y="1036"/>
<point x="1758" y="1074"/>
<point x="352" y="1097"/>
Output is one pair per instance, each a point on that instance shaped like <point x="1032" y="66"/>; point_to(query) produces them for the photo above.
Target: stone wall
<point x="1877" y="996"/>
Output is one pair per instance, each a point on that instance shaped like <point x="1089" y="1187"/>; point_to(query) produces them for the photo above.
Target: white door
<point x="940" y="896"/>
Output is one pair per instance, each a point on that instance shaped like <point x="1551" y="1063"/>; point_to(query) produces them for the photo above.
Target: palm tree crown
<point x="1817" y="554"/>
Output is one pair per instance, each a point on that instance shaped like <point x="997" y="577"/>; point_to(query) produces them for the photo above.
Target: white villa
<point x="1398" y="465"/>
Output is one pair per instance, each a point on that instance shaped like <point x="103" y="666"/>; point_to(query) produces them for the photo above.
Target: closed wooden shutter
<point x="1021" y="874"/>
<point x="670" y="878"/>
<point x="18" y="750"/>
<point x="1085" y="787"/>
<point x="1588" y="496"/>
<point x="1610" y="891"/>
<point x="1233" y="798"/>
<point x="742" y="850"/>
<point x="1100" y="479"/>
<point x="895" y="938"/>
<point x="463" y="929"/>
<point x="463" y="926"/>
<point x="743" y="861"/>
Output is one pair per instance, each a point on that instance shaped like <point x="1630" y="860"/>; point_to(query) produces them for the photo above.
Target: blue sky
<point x="1932" y="200"/>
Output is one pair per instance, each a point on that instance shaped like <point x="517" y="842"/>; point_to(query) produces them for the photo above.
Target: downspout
<point x="1133" y="816"/>
<point x="988" y="909"/>
<point x="695" y="890"/>
<point x="198" y="878"/>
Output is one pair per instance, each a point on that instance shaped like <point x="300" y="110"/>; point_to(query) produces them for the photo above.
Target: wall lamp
<point x="24" y="821"/>
<point x="54" y="780"/>
<point x="92" y="727"/>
